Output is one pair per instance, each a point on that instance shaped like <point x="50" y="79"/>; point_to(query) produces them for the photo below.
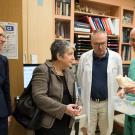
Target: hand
<point x="70" y="110"/>
<point x="121" y="93"/>
<point x="130" y="90"/>
<point x="9" y="120"/>
<point x="84" y="130"/>
<point x="78" y="110"/>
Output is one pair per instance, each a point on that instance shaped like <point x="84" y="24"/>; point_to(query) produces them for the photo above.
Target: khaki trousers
<point x="99" y="115"/>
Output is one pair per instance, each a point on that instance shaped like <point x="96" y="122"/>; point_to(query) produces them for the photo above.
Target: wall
<point x="11" y="11"/>
<point x="38" y="29"/>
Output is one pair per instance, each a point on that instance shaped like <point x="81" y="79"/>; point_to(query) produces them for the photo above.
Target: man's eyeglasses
<point x="103" y="44"/>
<point x="132" y="39"/>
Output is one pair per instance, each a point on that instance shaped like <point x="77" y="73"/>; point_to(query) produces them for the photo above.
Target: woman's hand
<point x="73" y="110"/>
<point x="78" y="110"/>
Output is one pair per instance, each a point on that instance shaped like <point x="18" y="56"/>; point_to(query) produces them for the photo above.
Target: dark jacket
<point x="50" y="100"/>
<point x="5" y="101"/>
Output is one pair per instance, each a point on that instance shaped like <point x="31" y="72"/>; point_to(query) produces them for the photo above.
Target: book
<point x="115" y="23"/>
<point x="126" y="33"/>
<point x="90" y="21"/>
<point x="111" y="25"/>
<point x="106" y="25"/>
<point x="101" y="24"/>
<point x="82" y="27"/>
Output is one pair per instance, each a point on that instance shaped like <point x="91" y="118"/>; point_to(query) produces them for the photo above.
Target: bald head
<point x="95" y="35"/>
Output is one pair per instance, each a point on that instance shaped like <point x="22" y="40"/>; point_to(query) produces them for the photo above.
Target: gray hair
<point x="59" y="47"/>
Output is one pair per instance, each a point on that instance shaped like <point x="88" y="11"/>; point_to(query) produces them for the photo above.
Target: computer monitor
<point x="28" y="71"/>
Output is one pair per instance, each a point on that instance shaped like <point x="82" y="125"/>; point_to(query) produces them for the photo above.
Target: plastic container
<point x="124" y="105"/>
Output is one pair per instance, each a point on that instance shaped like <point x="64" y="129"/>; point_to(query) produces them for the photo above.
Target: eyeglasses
<point x="2" y="35"/>
<point x="103" y="44"/>
<point x="132" y="39"/>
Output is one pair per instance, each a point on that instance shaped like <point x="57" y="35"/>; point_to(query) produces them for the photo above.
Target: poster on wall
<point x="10" y="48"/>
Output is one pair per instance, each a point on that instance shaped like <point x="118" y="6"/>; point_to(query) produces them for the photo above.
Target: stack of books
<point x="81" y="27"/>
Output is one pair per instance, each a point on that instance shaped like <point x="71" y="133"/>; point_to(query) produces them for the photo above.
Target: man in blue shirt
<point x="97" y="71"/>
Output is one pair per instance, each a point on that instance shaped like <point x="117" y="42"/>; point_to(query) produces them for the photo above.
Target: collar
<point x="50" y="65"/>
<point x="104" y="57"/>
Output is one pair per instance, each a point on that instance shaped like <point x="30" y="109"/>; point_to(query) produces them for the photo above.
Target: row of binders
<point x="82" y="44"/>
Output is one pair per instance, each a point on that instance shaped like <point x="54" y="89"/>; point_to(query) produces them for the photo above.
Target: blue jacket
<point x="5" y="101"/>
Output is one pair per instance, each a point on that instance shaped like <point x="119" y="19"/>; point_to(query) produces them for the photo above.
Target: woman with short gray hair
<point x="53" y="91"/>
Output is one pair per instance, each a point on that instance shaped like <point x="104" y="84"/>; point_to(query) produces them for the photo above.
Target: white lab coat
<point x="84" y="75"/>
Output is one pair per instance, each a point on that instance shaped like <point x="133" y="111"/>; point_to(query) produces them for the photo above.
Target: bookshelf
<point x="99" y="16"/>
<point x="114" y="17"/>
<point x="64" y="19"/>
<point x="127" y="25"/>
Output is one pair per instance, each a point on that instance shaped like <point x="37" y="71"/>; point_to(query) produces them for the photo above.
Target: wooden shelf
<point x="113" y="36"/>
<point x="127" y="26"/>
<point x="126" y="62"/>
<point x="82" y="33"/>
<point x="91" y="14"/>
<point x="64" y="20"/>
<point x="61" y="17"/>
<point x="87" y="33"/>
<point x="126" y="44"/>
<point x="61" y="38"/>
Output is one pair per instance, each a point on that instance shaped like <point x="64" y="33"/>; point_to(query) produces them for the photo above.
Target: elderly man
<point x="129" y="127"/>
<point x="97" y="70"/>
<point x="5" y="102"/>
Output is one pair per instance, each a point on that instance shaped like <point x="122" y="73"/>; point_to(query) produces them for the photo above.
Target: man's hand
<point x="9" y="120"/>
<point x="130" y="90"/>
<point x="121" y="93"/>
